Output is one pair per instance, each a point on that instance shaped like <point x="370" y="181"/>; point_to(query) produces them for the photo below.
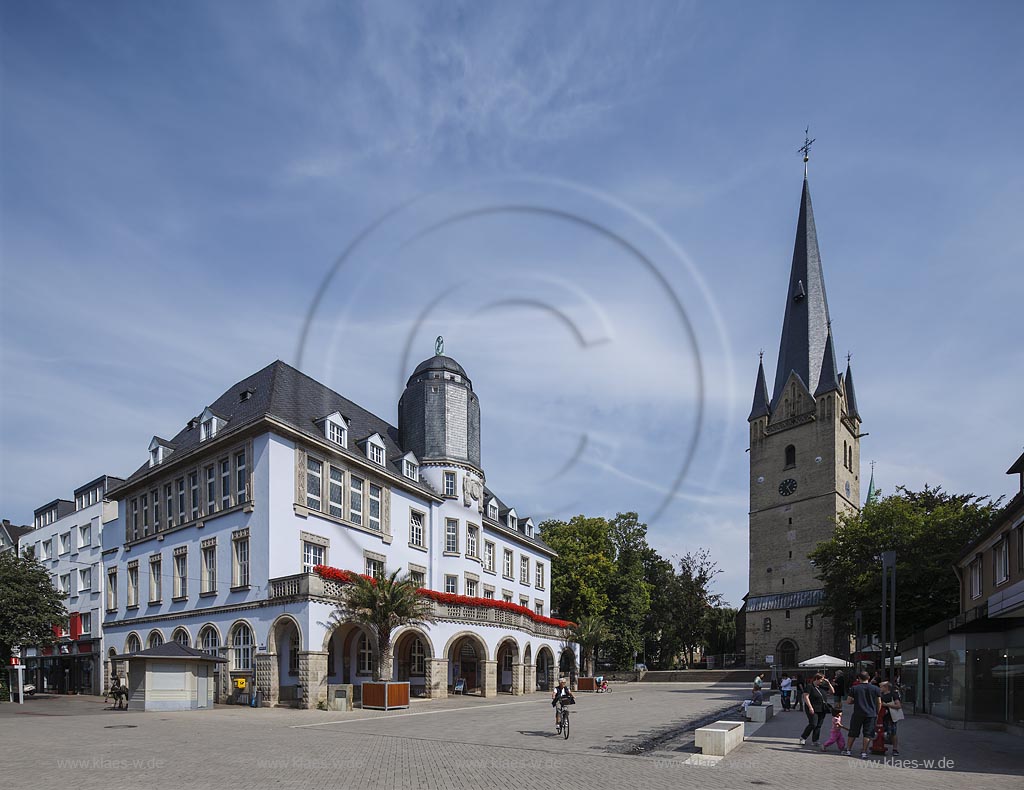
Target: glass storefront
<point x="974" y="677"/>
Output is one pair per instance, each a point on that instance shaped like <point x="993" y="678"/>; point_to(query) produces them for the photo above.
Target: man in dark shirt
<point x="866" y="699"/>
<point x="839" y="684"/>
<point x="891" y="700"/>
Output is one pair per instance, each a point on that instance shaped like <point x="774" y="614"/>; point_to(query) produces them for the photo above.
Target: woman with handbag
<point x="893" y="702"/>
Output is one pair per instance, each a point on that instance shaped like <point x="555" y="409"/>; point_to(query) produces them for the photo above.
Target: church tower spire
<point x="760" y="406"/>
<point x="805" y="327"/>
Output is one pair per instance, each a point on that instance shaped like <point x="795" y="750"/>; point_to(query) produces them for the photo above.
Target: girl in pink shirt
<point x="836" y="736"/>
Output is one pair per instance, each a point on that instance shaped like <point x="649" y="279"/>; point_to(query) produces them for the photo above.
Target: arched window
<point x="790" y="456"/>
<point x="133" y="645"/>
<point x="417" y="658"/>
<point x="182" y="638"/>
<point x="364" y="656"/>
<point x="846" y="456"/>
<point x="767" y="624"/>
<point x="241" y="648"/>
<point x="155" y="639"/>
<point x="210" y="640"/>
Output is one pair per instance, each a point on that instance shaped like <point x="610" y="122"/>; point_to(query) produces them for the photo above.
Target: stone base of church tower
<point x="790" y="641"/>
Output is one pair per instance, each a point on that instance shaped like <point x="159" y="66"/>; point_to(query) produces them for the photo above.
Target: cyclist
<point x="559" y="697"/>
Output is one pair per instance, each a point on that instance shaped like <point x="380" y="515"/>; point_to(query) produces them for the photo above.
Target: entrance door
<point x="786" y="652"/>
<point x="203" y="686"/>
<point x="469" y="673"/>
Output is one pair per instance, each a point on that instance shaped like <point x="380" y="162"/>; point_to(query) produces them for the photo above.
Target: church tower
<point x="804" y="468"/>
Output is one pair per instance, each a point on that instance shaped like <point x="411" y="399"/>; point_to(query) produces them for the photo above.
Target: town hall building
<point x="229" y="539"/>
<point x="804" y="469"/>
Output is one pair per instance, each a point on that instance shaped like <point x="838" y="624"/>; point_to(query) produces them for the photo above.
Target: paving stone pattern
<point x="505" y="742"/>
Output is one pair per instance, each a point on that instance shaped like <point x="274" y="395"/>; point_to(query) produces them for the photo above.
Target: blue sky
<point x="177" y="180"/>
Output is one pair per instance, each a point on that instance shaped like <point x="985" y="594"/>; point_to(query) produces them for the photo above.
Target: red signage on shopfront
<point x="76" y="625"/>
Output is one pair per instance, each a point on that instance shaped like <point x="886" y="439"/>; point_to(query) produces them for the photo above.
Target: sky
<point x="594" y="203"/>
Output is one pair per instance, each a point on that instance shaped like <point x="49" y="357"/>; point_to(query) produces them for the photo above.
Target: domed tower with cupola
<point x="439" y="421"/>
<point x="804" y="469"/>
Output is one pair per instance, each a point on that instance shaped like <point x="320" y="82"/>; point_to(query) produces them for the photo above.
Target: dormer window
<point x="492" y="510"/>
<point x="513" y="521"/>
<point x="208" y="429"/>
<point x="528" y="528"/>
<point x="375" y="449"/>
<point x="411" y="470"/>
<point x="337" y="433"/>
<point x="155" y="456"/>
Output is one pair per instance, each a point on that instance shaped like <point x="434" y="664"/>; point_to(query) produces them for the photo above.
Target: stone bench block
<point x="760" y="713"/>
<point x="720" y="738"/>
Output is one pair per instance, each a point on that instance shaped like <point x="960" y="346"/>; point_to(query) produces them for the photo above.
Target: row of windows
<point x="84" y="581"/>
<point x="73" y="540"/>
<point x="85" y="625"/>
<point x="1000" y="563"/>
<point x="240" y="641"/>
<point x="86" y="498"/>
<point x="179" y="576"/>
<point x="451" y="546"/>
<point x="808" y="622"/>
<point x="199" y="492"/>
<point x="472" y="587"/>
<point x="343" y="494"/>
<point x="47" y="518"/>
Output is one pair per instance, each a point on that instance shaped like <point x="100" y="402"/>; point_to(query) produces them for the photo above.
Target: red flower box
<point x="337" y="574"/>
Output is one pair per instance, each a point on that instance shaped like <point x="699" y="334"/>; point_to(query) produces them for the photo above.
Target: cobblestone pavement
<point x="507" y="742"/>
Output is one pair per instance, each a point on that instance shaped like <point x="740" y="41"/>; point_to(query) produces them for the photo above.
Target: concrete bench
<point x="775" y="698"/>
<point x="720" y="738"/>
<point x="760" y="713"/>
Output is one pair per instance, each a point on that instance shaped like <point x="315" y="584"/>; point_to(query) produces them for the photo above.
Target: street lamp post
<point x="888" y="613"/>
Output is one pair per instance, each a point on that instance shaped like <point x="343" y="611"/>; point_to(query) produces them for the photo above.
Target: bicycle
<point x="562" y="727"/>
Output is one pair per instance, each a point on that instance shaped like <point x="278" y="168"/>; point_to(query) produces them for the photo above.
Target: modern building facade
<point x="67" y="540"/>
<point x="969" y="671"/>
<point x="804" y="469"/>
<point x="227" y="534"/>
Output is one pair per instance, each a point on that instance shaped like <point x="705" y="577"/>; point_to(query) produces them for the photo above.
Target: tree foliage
<point x="29" y="604"/>
<point x="589" y="632"/>
<point x="629" y="597"/>
<point x="927" y="529"/>
<point x="696" y="573"/>
<point x="580" y="573"/>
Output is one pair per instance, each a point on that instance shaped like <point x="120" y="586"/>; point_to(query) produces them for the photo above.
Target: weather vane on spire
<point x="439" y="346"/>
<point x="805" y="149"/>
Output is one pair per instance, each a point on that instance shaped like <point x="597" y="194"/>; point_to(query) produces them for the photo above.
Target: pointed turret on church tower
<point x="804" y="468"/>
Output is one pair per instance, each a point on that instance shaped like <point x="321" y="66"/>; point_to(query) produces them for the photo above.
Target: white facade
<point x="287" y="497"/>
<point x="67" y="540"/>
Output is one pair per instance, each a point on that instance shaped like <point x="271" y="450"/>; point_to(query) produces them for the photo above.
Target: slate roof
<point x="173" y="651"/>
<point x="828" y="381"/>
<point x="503" y="511"/>
<point x="289" y="395"/>
<point x="14" y="531"/>
<point x="851" y="394"/>
<point x="760" y="407"/>
<point x="793" y="600"/>
<point x="805" y="326"/>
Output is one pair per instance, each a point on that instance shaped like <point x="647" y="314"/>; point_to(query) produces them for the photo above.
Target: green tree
<point x="29" y="604"/>
<point x="383" y="604"/>
<point x="696" y="573"/>
<point x="580" y="573"/>
<point x="661" y="637"/>
<point x="589" y="632"/>
<point x="629" y="597"/>
<point x="928" y="530"/>
<point x="720" y="630"/>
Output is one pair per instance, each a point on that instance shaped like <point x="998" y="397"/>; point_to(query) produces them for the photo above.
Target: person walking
<point x="892" y="700"/>
<point x="866" y="699"/>
<point x="836" y="736"/>
<point x="815" y="708"/>
<point x="839" y="686"/>
<point x="786" y="687"/>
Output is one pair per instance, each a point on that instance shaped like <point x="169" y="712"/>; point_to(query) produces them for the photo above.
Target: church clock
<point x="787" y="486"/>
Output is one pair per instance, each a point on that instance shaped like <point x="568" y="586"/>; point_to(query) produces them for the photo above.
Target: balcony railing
<point x="311" y="585"/>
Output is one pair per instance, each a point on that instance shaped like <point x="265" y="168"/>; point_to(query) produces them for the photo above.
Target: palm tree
<point x="382" y="604"/>
<point x="589" y="632"/>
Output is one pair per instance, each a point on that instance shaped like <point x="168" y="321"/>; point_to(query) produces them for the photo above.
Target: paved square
<point x="507" y="742"/>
